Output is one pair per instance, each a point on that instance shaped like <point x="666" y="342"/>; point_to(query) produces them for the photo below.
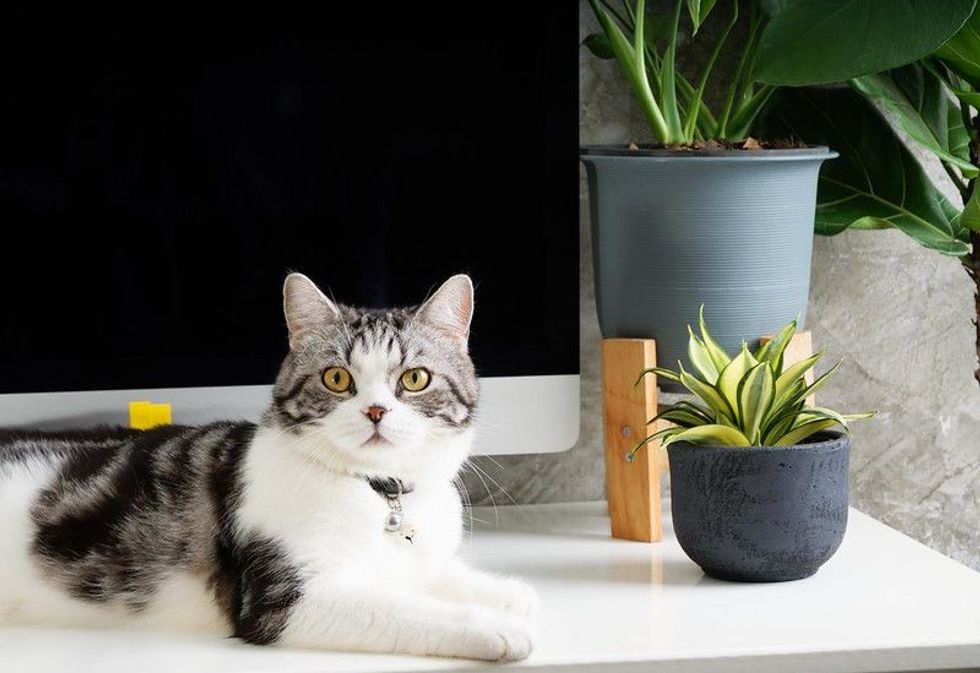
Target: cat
<point x="332" y="523"/>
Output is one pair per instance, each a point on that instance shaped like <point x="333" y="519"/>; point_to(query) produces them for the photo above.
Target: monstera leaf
<point x="812" y="41"/>
<point x="876" y="182"/>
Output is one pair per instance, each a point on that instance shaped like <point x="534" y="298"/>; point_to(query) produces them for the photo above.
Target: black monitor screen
<point x="162" y="168"/>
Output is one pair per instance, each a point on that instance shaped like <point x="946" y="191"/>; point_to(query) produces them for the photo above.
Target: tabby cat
<point x="332" y="523"/>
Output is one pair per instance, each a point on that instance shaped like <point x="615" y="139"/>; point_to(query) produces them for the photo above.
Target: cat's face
<point x="378" y="393"/>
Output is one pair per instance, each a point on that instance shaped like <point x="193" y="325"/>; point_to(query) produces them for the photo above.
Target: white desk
<point x="883" y="603"/>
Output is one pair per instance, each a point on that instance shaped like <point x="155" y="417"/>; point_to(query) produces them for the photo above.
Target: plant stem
<point x="633" y="67"/>
<point x="695" y="105"/>
<point x="737" y="83"/>
<point x="972" y="262"/>
<point x="668" y="83"/>
<point x="642" y="82"/>
<point x="748" y="110"/>
<point x="612" y="10"/>
<point x="975" y="274"/>
<point x="707" y="125"/>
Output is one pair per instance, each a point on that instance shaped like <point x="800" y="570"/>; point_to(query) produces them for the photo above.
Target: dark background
<point x="161" y="169"/>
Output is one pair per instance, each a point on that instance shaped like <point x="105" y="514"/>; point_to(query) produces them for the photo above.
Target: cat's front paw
<point x="516" y="597"/>
<point x="502" y="639"/>
<point x="517" y="642"/>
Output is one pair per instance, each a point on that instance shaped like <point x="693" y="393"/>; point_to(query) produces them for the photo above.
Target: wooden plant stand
<point x="633" y="489"/>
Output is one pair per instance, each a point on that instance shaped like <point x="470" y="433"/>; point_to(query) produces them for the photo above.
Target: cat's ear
<point x="306" y="308"/>
<point x="450" y="309"/>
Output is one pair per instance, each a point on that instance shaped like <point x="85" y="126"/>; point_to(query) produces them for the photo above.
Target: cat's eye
<point x="414" y="380"/>
<point x="337" y="379"/>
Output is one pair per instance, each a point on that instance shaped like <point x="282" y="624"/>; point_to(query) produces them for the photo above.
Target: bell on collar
<point x="393" y="521"/>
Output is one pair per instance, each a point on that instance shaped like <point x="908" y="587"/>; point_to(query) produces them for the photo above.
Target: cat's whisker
<point x="467" y="503"/>
<point x="495" y="483"/>
<point x="493" y="501"/>
<point x="494" y="461"/>
<point x="467" y="506"/>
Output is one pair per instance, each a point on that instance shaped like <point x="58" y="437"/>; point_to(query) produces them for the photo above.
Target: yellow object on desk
<point x="144" y="415"/>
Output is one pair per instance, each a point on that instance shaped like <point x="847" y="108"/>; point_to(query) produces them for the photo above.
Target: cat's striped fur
<point x="271" y="531"/>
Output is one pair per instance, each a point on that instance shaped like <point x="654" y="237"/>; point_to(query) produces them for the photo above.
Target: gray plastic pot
<point x="732" y="230"/>
<point x="760" y="514"/>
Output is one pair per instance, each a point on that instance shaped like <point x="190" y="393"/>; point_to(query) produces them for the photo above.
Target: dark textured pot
<point x="760" y="514"/>
<point x="732" y="230"/>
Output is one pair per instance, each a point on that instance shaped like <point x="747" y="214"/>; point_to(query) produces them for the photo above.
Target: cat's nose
<point x="375" y="412"/>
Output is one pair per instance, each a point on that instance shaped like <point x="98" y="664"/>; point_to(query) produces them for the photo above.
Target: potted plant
<point x="758" y="478"/>
<point x="708" y="213"/>
<point x="878" y="183"/>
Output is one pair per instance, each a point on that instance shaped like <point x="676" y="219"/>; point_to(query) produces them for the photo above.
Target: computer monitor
<point x="163" y="167"/>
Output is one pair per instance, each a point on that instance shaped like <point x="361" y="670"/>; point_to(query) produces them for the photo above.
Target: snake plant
<point x="751" y="399"/>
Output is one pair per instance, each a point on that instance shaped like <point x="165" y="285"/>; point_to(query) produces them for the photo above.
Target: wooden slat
<point x="633" y="488"/>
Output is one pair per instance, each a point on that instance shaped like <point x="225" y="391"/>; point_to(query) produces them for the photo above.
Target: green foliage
<point x="646" y="44"/>
<point x="970" y="219"/>
<point x="698" y="9"/>
<point x="818" y="41"/>
<point x="747" y="400"/>
<point x="786" y="42"/>
<point x="876" y="183"/>
<point x="918" y="99"/>
<point x="961" y="53"/>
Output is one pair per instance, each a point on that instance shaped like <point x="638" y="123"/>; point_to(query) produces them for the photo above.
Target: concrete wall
<point x="899" y="314"/>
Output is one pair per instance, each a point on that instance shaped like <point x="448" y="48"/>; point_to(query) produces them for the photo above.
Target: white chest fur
<point x="332" y="525"/>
